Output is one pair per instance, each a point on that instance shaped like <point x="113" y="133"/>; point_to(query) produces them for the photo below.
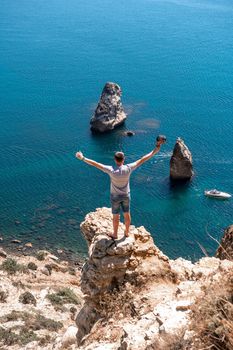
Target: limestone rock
<point x="86" y="318"/>
<point x="16" y="241"/>
<point x="45" y="271"/>
<point x="53" y="257"/>
<point x="3" y="254"/>
<point x="69" y="337"/>
<point x="112" y="262"/>
<point x="181" y="166"/>
<point x="109" y="112"/>
<point x="225" y="249"/>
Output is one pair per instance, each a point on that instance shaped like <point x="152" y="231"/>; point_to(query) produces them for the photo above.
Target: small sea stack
<point x="181" y="165"/>
<point x="109" y="113"/>
<point x="225" y="249"/>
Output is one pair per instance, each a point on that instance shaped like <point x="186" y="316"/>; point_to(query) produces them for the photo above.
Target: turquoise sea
<point x="174" y="62"/>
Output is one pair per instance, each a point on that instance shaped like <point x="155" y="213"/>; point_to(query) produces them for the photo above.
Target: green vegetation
<point x="72" y="271"/>
<point x="45" y="340"/>
<point x="11" y="266"/>
<point x="41" y="322"/>
<point x="32" y="266"/>
<point x="25" y="336"/>
<point x="27" y="298"/>
<point x="32" y="322"/>
<point x="14" y="316"/>
<point x="63" y="296"/>
<point x="41" y="254"/>
<point x="18" y="284"/>
<point x="49" y="268"/>
<point x="3" y="296"/>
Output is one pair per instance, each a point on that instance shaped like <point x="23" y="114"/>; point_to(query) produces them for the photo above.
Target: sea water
<point x="173" y="60"/>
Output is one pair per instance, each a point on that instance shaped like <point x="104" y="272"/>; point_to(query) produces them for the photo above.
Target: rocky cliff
<point x="181" y="166"/>
<point x="128" y="296"/>
<point x="109" y="112"/>
<point x="135" y="297"/>
<point x="225" y="249"/>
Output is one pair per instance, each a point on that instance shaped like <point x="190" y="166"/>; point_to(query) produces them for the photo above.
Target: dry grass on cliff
<point x="171" y="342"/>
<point x="119" y="303"/>
<point x="212" y="316"/>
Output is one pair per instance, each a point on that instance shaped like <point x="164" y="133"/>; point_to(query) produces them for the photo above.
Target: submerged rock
<point x="181" y="165"/>
<point x="16" y="241"/>
<point x="109" y="113"/>
<point x="225" y="249"/>
<point x="129" y="133"/>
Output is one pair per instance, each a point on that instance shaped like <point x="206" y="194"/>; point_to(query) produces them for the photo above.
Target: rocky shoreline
<point x="135" y="296"/>
<point x="128" y="295"/>
<point x="16" y="248"/>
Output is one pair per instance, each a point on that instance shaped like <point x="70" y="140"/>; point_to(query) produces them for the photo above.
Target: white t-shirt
<point x="119" y="176"/>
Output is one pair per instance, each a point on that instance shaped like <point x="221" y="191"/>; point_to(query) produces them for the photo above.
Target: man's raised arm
<point x="149" y="155"/>
<point x="99" y="166"/>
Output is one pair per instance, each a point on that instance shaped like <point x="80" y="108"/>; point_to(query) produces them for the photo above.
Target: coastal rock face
<point x="181" y="167"/>
<point x="133" y="259"/>
<point x="111" y="261"/>
<point x="135" y="297"/>
<point x="109" y="113"/>
<point x="225" y="249"/>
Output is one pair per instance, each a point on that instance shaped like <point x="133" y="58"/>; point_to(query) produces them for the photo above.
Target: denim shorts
<point x="119" y="202"/>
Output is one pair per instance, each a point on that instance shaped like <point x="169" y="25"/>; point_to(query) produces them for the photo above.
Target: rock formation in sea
<point x="134" y="296"/>
<point x="181" y="165"/>
<point x="225" y="249"/>
<point x="109" y="113"/>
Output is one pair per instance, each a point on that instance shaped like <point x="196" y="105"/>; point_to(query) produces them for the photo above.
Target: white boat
<point x="217" y="194"/>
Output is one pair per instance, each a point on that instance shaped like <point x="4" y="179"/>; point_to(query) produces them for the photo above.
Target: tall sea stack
<point x="181" y="166"/>
<point x="109" y="113"/>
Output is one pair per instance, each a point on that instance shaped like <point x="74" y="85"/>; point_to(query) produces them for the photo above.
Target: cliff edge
<point x="134" y="296"/>
<point x="128" y="296"/>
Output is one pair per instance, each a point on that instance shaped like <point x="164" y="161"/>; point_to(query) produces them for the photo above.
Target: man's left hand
<point x="79" y="155"/>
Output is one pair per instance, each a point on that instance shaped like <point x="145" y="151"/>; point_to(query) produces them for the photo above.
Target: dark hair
<point x="119" y="156"/>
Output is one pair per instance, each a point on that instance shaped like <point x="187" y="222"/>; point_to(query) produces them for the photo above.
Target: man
<point x="120" y="190"/>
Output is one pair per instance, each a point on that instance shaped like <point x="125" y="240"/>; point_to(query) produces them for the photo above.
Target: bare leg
<point x="115" y="221"/>
<point x="127" y="218"/>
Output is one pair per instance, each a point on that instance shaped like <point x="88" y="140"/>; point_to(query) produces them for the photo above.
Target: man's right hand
<point x="79" y="155"/>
